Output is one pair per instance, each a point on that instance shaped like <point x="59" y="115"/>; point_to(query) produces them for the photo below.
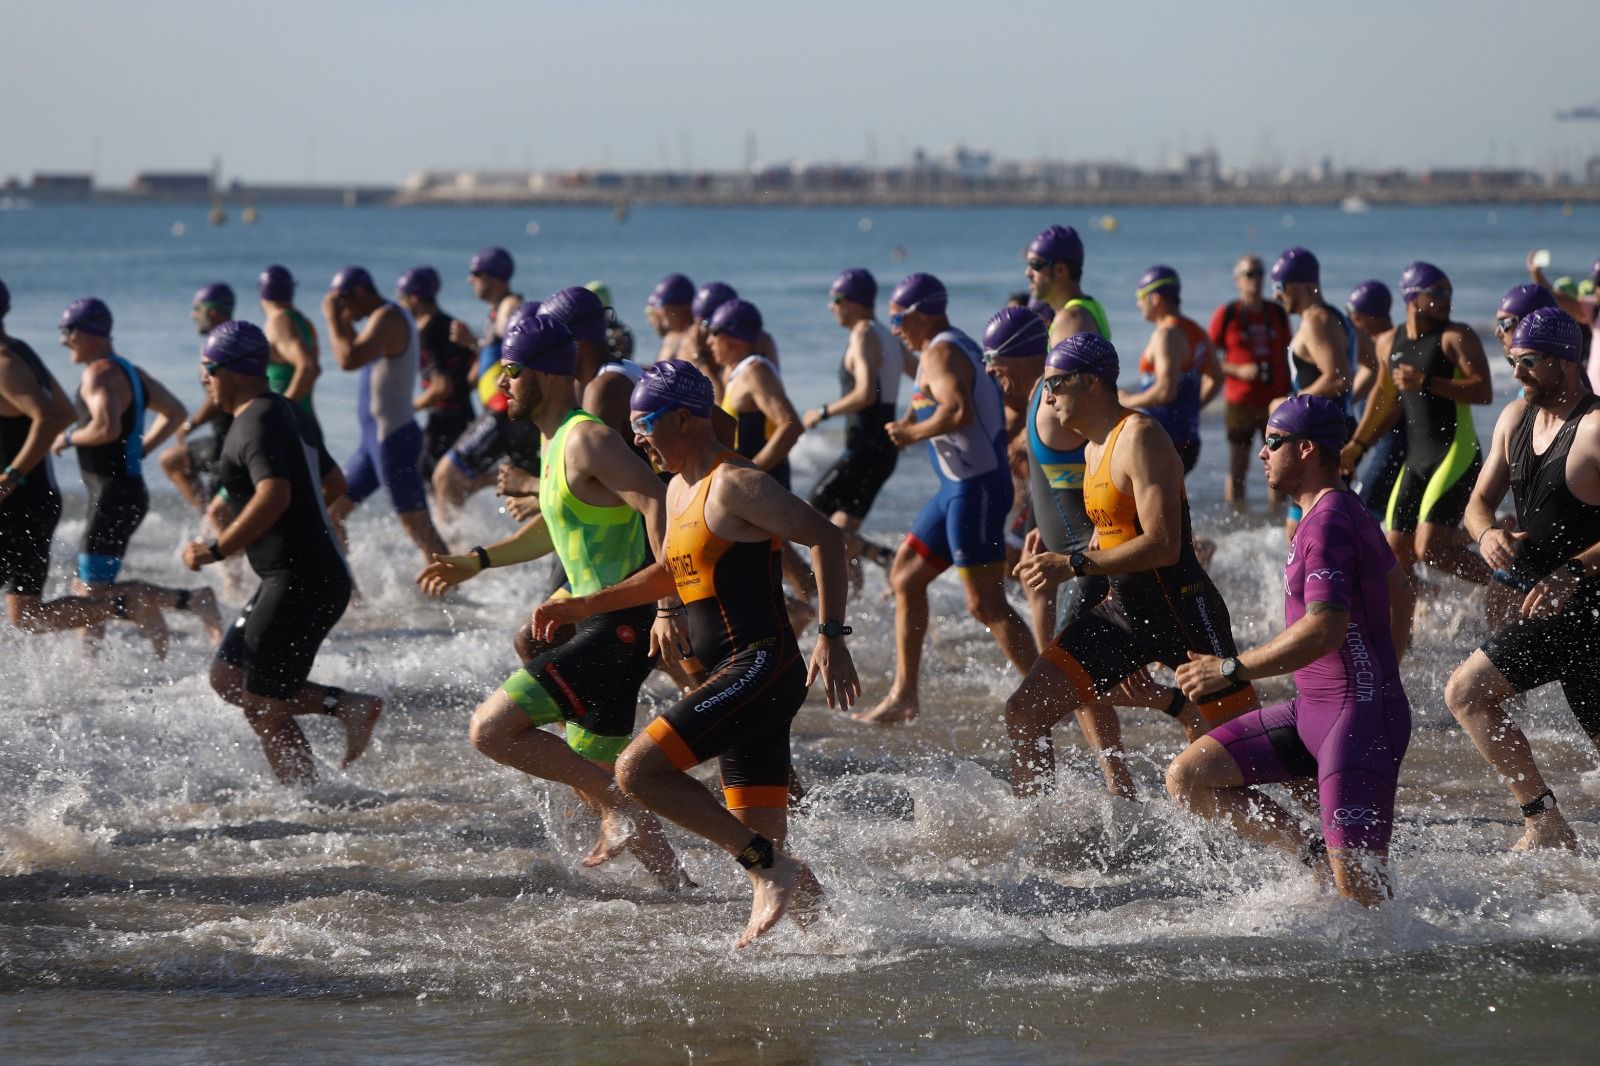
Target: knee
<point x="987" y="610"/>
<point x="1460" y="693"/>
<point x="174" y="462"/>
<point x="1181" y="781"/>
<point x="903" y="577"/>
<point x="630" y="772"/>
<point x="487" y="731"/>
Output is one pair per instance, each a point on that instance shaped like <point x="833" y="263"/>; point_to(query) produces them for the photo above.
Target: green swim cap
<point x="602" y="290"/>
<point x="1564" y="286"/>
<point x="1586" y="287"/>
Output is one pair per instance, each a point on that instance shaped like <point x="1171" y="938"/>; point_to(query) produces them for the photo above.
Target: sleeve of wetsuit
<point x="264" y="452"/>
<point x="1329" y="570"/>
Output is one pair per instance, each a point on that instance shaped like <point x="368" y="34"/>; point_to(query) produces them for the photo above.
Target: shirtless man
<point x="671" y="311"/>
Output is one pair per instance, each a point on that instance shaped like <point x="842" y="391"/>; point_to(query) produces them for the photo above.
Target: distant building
<point x="173" y="185"/>
<point x="62" y="186"/>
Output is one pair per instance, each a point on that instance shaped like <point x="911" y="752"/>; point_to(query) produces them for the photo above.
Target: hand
<point x="196" y="555"/>
<point x="461" y="333"/>
<point x="447" y="571"/>
<point x="181" y="434"/>
<point x="60" y="444"/>
<point x="830" y="660"/>
<point x="1498" y="547"/>
<point x="811" y="418"/>
<point x="522" y="508"/>
<point x="1550" y="595"/>
<point x="1043" y="568"/>
<point x="1349" y="456"/>
<point x="340" y="509"/>
<point x="551" y="615"/>
<point x="1408" y="378"/>
<point x="1139" y="689"/>
<point x="514" y="481"/>
<point x="1248" y="372"/>
<point x="899" y="433"/>
<point x="1201" y="676"/>
<point x="1534" y="271"/>
<point x="669" y="638"/>
<point x="1033" y="543"/>
<point x="7" y="487"/>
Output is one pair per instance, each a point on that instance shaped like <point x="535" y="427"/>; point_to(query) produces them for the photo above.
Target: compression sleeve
<point x="1328" y="558"/>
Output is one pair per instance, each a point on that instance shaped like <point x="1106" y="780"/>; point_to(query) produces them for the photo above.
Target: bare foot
<point x="1547" y="830"/>
<point x="777" y="890"/>
<point x="203" y="603"/>
<point x="616" y="829"/>
<point x="892" y="711"/>
<point x="152" y="624"/>
<point x="359" y="715"/>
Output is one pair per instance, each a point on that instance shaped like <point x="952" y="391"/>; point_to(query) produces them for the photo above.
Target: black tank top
<point x="112" y="460"/>
<point x="1558" y="524"/>
<point x="14" y="429"/>
<point x="1430" y="420"/>
<point x="443" y="357"/>
<point x="863" y="429"/>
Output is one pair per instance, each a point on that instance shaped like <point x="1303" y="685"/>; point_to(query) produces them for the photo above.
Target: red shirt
<point x="1261" y="337"/>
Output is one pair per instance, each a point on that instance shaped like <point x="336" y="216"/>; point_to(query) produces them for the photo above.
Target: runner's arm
<point x="1471" y="383"/>
<point x="379" y="336"/>
<point x="862" y="359"/>
<point x="301" y="354"/>
<point x="1169" y="349"/>
<point x="1320" y="631"/>
<point x="1325" y="345"/>
<point x="102" y="427"/>
<point x="955" y="406"/>
<point x="619" y="468"/>
<point x="773" y="402"/>
<point x="1211" y="378"/>
<point x="266" y="506"/>
<point x="1494" y="481"/>
<point x="169" y="410"/>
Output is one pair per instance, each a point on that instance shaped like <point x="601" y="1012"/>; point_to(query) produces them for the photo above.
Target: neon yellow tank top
<point x="598" y="546"/>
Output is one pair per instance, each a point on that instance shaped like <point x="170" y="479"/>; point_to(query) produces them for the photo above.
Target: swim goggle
<point x="1526" y="362"/>
<point x="645" y="425"/>
<point x="898" y="318"/>
<point x="1506" y="323"/>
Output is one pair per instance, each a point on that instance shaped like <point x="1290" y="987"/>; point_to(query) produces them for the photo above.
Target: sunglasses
<point x="835" y="299"/>
<point x="1035" y="263"/>
<point x="1253" y="275"/>
<point x="645" y="425"/>
<point x="208" y="368"/>
<point x="1525" y="362"/>
<point x="1278" y="440"/>
<point x="510" y="370"/>
<point x="1056" y="382"/>
<point x="1438" y="292"/>
<point x="1506" y="324"/>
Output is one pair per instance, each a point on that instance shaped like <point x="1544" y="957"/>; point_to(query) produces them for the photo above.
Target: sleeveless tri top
<point x="1096" y="312"/>
<point x="753" y="428"/>
<point x="978" y="447"/>
<point x="1055" y="485"/>
<point x="1558" y="524"/>
<point x="598" y="546"/>
<point x="14" y="431"/>
<point x="863" y="429"/>
<point x="1307" y="372"/>
<point x="1181" y="417"/>
<point x="123" y="457"/>
<point x="1432" y="422"/>
<point x="387" y="384"/>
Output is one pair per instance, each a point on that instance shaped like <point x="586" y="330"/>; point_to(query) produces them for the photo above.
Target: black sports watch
<point x="832" y="628"/>
<point x="215" y="549"/>
<point x="1576" y="568"/>
<point x="1230" y="669"/>
<point x="1080" y="562"/>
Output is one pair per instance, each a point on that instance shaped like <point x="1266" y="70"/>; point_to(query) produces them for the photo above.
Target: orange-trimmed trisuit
<point x="1151" y="616"/>
<point x="739" y="630"/>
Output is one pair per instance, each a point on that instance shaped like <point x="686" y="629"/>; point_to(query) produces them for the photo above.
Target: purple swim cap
<point x="87" y="315"/>
<point x="1313" y="418"/>
<point x="1043" y="309"/>
<point x="1085" y="353"/>
<point x="218" y="294"/>
<point x="1017" y="333"/>
<point x="1371" y="298"/>
<point x="856" y="285"/>
<point x="493" y="262"/>
<point x="711" y="297"/>
<point x="1059" y="244"/>
<point x="240" y="347"/>
<point x="276" y="284"/>
<point x="1418" y="278"/>
<point x="739" y="319"/>
<point x="1549" y="331"/>
<point x="1160" y="278"/>
<point x="351" y="278"/>
<point x="420" y="281"/>
<point x="672" y="383"/>
<point x="1296" y="265"/>
<point x="921" y="292"/>
<point x="525" y="309"/>
<point x="672" y="289"/>
<point x="541" y="342"/>
<point x="585" y="314"/>
<point x="1521" y="300"/>
<point x="5" y="300"/>
<point x="1594" y="271"/>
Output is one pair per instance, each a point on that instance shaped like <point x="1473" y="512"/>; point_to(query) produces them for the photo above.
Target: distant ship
<point x="1354" y="205"/>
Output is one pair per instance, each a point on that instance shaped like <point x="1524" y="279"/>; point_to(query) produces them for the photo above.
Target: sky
<point x="361" y="90"/>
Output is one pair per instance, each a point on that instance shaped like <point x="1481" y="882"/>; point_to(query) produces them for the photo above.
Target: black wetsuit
<point x="449" y="417"/>
<point x="852" y="483"/>
<point x="118" y="497"/>
<point x="305" y="584"/>
<point x="1564" y="647"/>
<point x="1442" y="453"/>
<point x="29" y="515"/>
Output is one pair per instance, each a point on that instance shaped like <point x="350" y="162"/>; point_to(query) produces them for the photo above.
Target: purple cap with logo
<point x="351" y="278"/>
<point x="87" y="315"/>
<point x="420" y="281"/>
<point x="1085" y="353"/>
<point x="856" y="285"/>
<point x="920" y="292"/>
<point x="672" y="289"/>
<point x="1418" y="278"/>
<point x="1521" y="300"/>
<point x="525" y="309"/>
<point x="218" y="294"/>
<point x="1549" y="331"/>
<point x="585" y="314"/>
<point x="740" y="319"/>
<point x="1296" y="266"/>
<point x="1016" y="333"/>
<point x="240" y="347"/>
<point x="540" y="342"/>
<point x="1371" y="298"/>
<point x="276" y="284"/>
<point x="1160" y="278"/>
<point x="709" y="298"/>
<point x="1313" y="418"/>
<point x="672" y="383"/>
<point x="493" y="262"/>
<point x="1058" y="244"/>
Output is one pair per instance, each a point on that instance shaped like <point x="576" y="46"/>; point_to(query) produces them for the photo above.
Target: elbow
<point x="1168" y="552"/>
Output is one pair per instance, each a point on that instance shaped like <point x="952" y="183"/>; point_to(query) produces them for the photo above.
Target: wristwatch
<point x="833" y="628"/>
<point x="215" y="549"/>
<point x="1230" y="669"/>
<point x="1080" y="562"/>
<point x="1576" y="568"/>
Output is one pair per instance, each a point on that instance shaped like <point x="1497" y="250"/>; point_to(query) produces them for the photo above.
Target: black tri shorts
<point x="852" y="483"/>
<point x="276" y="637"/>
<point x="1565" y="647"/>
